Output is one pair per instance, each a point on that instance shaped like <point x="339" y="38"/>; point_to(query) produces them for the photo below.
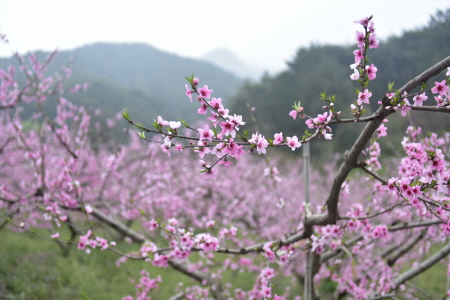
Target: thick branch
<point x="119" y="226"/>
<point x="433" y="71"/>
<point x="350" y="161"/>
<point x="182" y="269"/>
<point x="422" y="266"/>
<point x="432" y="108"/>
<point x="414" y="225"/>
<point x="178" y="296"/>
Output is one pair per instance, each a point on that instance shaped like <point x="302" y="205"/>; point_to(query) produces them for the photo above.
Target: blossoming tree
<point x="367" y="236"/>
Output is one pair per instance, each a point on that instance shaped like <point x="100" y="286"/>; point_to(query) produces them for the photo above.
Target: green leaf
<point x="390" y="86"/>
<point x="157" y="126"/>
<point x="424" y="86"/>
<point x="190" y="79"/>
<point x="125" y="115"/>
<point x="141" y="134"/>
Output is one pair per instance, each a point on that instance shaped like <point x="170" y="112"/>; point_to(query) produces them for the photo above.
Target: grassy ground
<point x="34" y="269"/>
<point x="31" y="268"/>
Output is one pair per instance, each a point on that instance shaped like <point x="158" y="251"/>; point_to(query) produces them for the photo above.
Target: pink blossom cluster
<point x="330" y="236"/>
<point x="362" y="72"/>
<point x="402" y="103"/>
<point x="145" y="286"/>
<point x="86" y="241"/>
<point x="321" y="124"/>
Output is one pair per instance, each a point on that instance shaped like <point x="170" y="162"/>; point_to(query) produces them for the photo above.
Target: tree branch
<point x="405" y="247"/>
<point x="432" y="108"/>
<point x="405" y="276"/>
<point x="350" y="161"/>
<point x="178" y="296"/>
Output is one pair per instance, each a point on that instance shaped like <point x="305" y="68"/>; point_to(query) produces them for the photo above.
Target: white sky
<point x="262" y="32"/>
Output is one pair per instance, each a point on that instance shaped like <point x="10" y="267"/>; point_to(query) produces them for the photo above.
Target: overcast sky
<point x="265" y="33"/>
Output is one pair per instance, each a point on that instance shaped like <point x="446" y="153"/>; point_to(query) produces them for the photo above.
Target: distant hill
<point x="147" y="81"/>
<point x="227" y="60"/>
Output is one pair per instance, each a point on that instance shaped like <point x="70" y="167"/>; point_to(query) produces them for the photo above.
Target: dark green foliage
<point x="320" y="68"/>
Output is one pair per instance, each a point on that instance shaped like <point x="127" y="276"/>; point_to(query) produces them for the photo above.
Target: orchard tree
<point x="242" y="216"/>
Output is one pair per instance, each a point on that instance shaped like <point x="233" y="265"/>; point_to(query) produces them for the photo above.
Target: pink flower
<point x="266" y="292"/>
<point x="269" y="254"/>
<point x="161" y="122"/>
<point x="278" y="138"/>
<point x="55" y="236"/>
<point x="203" y="108"/>
<point x="293" y="114"/>
<point x="373" y="42"/>
<point x="204" y="92"/>
<point x="236" y="120"/>
<point x="165" y="149"/>
<point x="188" y="92"/>
<point x="102" y="243"/>
<point x="355" y="75"/>
<point x="216" y="103"/>
<point x="371" y="72"/>
<point x="293" y="142"/>
<point x="359" y="54"/>
<point x="381" y="130"/>
<point x="152" y="225"/>
<point x="380" y="231"/>
<point x="81" y="245"/>
<point x="260" y="142"/>
<point x="202" y="149"/>
<point x="405" y="108"/>
<point x="207" y="242"/>
<point x="210" y="173"/>
<point x="361" y="39"/>
<point x="228" y="128"/>
<point x="160" y="260"/>
<point x="268" y="272"/>
<point x="364" y="97"/>
<point x="439" y="100"/>
<point x="441" y="88"/>
<point x="371" y="28"/>
<point x="205" y="133"/>
<point x="418" y="99"/>
<point x="363" y="22"/>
